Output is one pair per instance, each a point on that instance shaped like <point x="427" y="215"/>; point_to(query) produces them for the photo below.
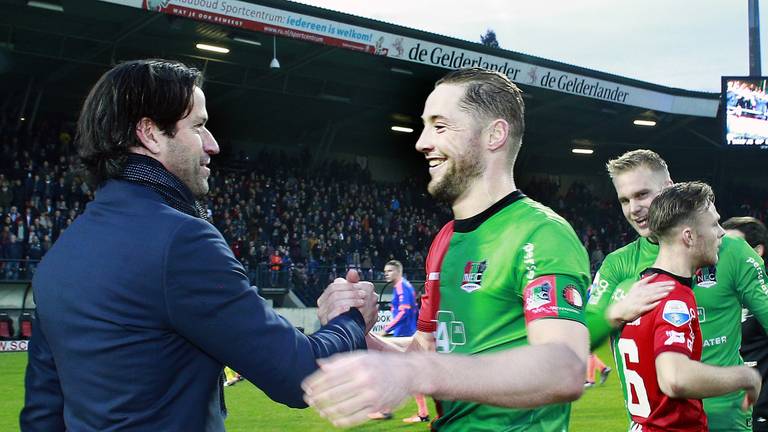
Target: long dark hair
<point x="160" y="90"/>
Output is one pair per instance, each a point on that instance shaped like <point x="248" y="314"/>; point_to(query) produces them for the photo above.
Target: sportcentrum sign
<point x="318" y="30"/>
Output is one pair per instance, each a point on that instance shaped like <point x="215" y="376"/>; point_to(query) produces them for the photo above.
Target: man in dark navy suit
<point x="141" y="284"/>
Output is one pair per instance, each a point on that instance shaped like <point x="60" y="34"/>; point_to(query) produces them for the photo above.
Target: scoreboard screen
<point x="744" y="109"/>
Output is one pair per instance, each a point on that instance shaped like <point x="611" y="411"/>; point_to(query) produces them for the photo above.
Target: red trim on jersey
<point x="430" y="300"/>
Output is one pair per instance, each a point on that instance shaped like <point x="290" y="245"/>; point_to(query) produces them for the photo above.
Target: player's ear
<point x="498" y="134"/>
<point x="687" y="235"/>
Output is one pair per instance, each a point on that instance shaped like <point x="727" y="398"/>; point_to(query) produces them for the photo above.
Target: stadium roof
<point x="344" y="100"/>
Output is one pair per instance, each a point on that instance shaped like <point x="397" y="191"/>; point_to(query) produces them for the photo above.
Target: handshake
<point x="349" y="386"/>
<point x="344" y="294"/>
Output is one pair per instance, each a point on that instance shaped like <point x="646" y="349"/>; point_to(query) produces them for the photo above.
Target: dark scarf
<point x="149" y="172"/>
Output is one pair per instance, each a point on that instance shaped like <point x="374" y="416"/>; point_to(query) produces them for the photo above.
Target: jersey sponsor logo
<point x="701" y="313"/>
<point x="529" y="261"/>
<point x="597" y="289"/>
<point x="572" y="295"/>
<point x="450" y="333"/>
<point x="715" y="341"/>
<point x="760" y="274"/>
<point x="473" y="275"/>
<point x="538" y="295"/>
<point x="674" y="337"/>
<point x="433" y="276"/>
<point x="706" y="277"/>
<point x="676" y="313"/>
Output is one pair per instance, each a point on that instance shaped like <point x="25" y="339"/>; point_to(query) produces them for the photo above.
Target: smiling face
<point x="450" y="142"/>
<point x="188" y="153"/>
<point x="636" y="189"/>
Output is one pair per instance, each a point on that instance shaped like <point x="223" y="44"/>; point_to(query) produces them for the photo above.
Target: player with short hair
<point x="404" y="312"/>
<point x="659" y="352"/>
<point x="404" y="308"/>
<point x="738" y="279"/>
<point x="505" y="290"/>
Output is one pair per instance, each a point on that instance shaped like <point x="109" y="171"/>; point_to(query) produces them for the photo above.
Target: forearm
<point x="343" y="333"/>
<point x="376" y="343"/>
<point x="695" y="380"/>
<point x="600" y="325"/>
<point x="523" y="377"/>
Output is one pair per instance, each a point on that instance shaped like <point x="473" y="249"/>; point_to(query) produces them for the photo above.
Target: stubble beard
<point x="458" y="176"/>
<point x="189" y="174"/>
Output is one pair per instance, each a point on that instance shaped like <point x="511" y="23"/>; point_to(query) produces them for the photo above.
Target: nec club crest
<point x="538" y="295"/>
<point x="706" y="277"/>
<point x="473" y="275"/>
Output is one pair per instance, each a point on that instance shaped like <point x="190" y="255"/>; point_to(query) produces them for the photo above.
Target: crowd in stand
<point x="316" y="222"/>
<point x="292" y="221"/>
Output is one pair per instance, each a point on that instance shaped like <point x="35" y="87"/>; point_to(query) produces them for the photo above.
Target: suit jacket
<point x="138" y="307"/>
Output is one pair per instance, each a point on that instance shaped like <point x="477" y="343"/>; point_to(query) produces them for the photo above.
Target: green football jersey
<point x="737" y="279"/>
<point x="514" y="262"/>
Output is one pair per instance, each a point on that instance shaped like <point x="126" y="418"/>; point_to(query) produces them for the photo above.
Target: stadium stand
<point x="291" y="229"/>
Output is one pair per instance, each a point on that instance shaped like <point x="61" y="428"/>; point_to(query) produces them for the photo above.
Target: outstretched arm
<point x="550" y="370"/>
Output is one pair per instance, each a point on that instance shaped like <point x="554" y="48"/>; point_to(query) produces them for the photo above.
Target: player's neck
<point x="675" y="261"/>
<point x="485" y="192"/>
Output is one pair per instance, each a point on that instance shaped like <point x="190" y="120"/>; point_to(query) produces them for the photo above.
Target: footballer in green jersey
<point x="516" y="262"/>
<point x="737" y="280"/>
<point x="504" y="296"/>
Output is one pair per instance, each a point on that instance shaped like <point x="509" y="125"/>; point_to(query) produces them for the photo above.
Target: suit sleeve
<point x="748" y="276"/>
<point x="209" y="301"/>
<point x="43" y="401"/>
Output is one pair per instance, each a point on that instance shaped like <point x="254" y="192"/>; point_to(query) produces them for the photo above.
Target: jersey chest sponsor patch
<point x="706" y="277"/>
<point x="473" y="275"/>
<point x="676" y="313"/>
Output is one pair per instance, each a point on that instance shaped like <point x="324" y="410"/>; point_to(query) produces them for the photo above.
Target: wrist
<point x="614" y="316"/>
<point x="422" y="373"/>
<point x="752" y="378"/>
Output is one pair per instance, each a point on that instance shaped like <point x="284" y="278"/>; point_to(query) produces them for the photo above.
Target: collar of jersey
<point x="683" y="280"/>
<point x="471" y="224"/>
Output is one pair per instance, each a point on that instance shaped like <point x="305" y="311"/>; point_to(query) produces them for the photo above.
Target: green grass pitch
<point x="600" y="409"/>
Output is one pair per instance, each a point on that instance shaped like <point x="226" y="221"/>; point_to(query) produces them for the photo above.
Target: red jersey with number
<point x="672" y="326"/>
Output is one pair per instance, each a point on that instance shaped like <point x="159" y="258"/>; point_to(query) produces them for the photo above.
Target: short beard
<point x="459" y="176"/>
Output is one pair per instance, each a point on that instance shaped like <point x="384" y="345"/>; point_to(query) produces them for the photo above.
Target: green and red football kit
<point x="487" y="278"/>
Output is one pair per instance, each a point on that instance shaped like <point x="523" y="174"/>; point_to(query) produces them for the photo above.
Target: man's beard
<point x="457" y="178"/>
